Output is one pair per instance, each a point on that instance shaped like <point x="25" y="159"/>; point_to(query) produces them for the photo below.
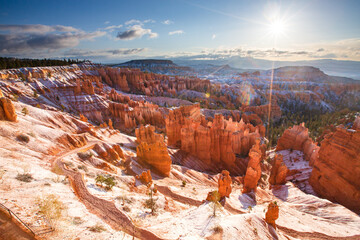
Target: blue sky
<point x="112" y="31"/>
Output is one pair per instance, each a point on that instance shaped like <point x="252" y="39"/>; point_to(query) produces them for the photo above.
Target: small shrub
<point x="126" y="209"/>
<point x="36" y="95"/>
<point x="255" y="231"/>
<point x="25" y="111"/>
<point x="24" y="177"/>
<point x="124" y="199"/>
<point x="97" y="228"/>
<point x="108" y="180"/>
<point x="218" y="229"/>
<point x="151" y="202"/>
<point x="23" y="138"/>
<point x="249" y="208"/>
<point x="51" y="207"/>
<point x="183" y="184"/>
<point x="77" y="221"/>
<point x="15" y="97"/>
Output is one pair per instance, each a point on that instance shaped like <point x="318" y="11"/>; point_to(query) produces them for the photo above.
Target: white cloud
<point x="167" y="22"/>
<point x="113" y="27"/>
<point x="136" y="31"/>
<point x="107" y="22"/>
<point x="133" y="21"/>
<point x="29" y="40"/>
<point x="103" y="53"/>
<point x="213" y="36"/>
<point x="179" y="32"/>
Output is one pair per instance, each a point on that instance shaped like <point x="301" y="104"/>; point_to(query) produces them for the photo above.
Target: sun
<point x="277" y="27"/>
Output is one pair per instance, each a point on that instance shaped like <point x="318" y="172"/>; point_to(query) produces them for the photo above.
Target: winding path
<point x="106" y="210"/>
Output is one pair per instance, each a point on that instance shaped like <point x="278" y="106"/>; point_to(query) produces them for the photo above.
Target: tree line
<point x="8" y="63"/>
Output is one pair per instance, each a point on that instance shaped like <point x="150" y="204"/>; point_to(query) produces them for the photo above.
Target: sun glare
<point x="277" y="27"/>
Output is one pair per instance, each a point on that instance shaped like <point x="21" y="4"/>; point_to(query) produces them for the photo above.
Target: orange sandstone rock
<point x="83" y="118"/>
<point x="297" y="138"/>
<point x="278" y="171"/>
<point x="272" y="214"/>
<point x="152" y="149"/>
<point x="336" y="171"/>
<point x="145" y="177"/>
<point x="253" y="172"/>
<point x="8" y="110"/>
<point x="224" y="184"/>
<point x="72" y="141"/>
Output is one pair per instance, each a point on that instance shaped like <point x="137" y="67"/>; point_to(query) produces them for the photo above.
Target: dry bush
<point x="218" y="229"/>
<point x="24" y="177"/>
<point x="23" y="138"/>
<point x="77" y="221"/>
<point x="97" y="228"/>
<point x="51" y="208"/>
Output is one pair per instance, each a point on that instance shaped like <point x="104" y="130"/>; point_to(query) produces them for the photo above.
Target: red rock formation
<point x="253" y="172"/>
<point x="224" y="184"/>
<point x="152" y="149"/>
<point x="336" y="172"/>
<point x="297" y="138"/>
<point x="145" y="177"/>
<point x="72" y="141"/>
<point x="128" y="114"/>
<point x="278" y="171"/>
<point x="7" y="110"/>
<point x="214" y="142"/>
<point x="176" y="120"/>
<point x="109" y="153"/>
<point x="272" y="214"/>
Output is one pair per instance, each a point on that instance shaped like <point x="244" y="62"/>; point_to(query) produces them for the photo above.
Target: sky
<point x="113" y="31"/>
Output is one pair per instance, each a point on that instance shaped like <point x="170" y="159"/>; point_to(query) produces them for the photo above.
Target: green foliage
<point x="25" y="111"/>
<point x="36" y="95"/>
<point x="183" y="184"/>
<point x="108" y="180"/>
<point x="316" y="121"/>
<point x="7" y="63"/>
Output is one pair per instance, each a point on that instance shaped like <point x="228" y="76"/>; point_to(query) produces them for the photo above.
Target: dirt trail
<point x="106" y="210"/>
